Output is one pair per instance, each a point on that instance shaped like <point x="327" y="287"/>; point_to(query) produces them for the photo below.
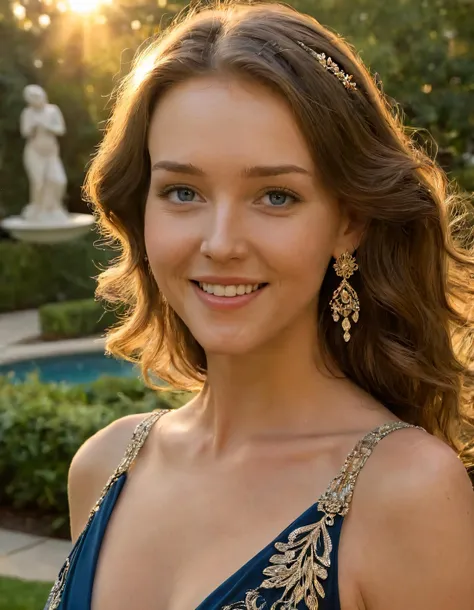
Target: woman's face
<point x="238" y="230"/>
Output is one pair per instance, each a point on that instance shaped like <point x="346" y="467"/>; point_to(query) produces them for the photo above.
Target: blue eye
<point x="178" y="194"/>
<point x="280" y="198"/>
<point x="185" y="195"/>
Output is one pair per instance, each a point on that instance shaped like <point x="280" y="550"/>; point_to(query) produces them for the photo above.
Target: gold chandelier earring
<point x="345" y="301"/>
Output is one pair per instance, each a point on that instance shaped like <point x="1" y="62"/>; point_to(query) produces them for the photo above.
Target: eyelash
<point x="281" y="190"/>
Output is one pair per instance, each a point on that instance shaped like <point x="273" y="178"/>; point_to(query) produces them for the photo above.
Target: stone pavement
<point x="31" y="557"/>
<point x="18" y="326"/>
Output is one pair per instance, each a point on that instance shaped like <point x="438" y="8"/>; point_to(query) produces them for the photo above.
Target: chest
<point x="169" y="545"/>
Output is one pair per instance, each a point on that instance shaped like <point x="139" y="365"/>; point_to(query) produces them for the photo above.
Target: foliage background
<point x="421" y="50"/>
<point x="42" y="425"/>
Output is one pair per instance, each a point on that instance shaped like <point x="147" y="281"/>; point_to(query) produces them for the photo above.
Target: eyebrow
<point x="258" y="171"/>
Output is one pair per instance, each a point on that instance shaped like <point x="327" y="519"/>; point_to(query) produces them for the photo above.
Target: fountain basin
<point x="48" y="231"/>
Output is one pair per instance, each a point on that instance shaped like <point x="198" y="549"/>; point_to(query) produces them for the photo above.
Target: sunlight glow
<point x="85" y="7"/>
<point x="44" y="20"/>
<point x="19" y="10"/>
<point x="143" y="68"/>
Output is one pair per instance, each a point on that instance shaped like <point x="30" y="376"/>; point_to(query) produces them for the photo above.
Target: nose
<point x="224" y="238"/>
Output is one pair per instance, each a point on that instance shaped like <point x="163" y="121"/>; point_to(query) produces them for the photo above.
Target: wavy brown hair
<point x="413" y="346"/>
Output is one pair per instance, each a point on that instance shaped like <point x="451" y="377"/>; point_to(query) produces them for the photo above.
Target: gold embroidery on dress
<point x="54" y="598"/>
<point x="136" y="443"/>
<point x="250" y="603"/>
<point x="338" y="496"/>
<point x="299" y="568"/>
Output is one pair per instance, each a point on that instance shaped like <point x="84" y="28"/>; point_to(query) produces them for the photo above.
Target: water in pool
<point x="76" y="368"/>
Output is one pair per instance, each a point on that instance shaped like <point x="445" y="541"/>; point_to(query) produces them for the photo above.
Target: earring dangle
<point x="345" y="301"/>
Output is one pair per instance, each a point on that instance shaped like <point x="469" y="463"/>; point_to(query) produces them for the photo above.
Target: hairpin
<point x="328" y="64"/>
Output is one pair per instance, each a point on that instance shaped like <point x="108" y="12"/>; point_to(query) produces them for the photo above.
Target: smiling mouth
<point x="229" y="291"/>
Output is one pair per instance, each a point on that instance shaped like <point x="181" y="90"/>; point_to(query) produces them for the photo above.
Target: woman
<point x="285" y="249"/>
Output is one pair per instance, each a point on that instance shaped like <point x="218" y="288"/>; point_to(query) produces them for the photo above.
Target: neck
<point x="278" y="389"/>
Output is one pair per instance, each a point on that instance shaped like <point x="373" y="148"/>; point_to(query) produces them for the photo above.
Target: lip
<point x="226" y="303"/>
<point x="225" y="281"/>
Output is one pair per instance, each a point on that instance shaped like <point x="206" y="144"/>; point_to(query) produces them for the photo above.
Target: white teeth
<point x="230" y="291"/>
<point x="219" y="290"/>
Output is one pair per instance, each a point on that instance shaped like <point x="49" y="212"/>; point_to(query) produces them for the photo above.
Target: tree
<point x="424" y="54"/>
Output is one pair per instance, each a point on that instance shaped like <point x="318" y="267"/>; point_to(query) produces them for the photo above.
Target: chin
<point x="229" y="344"/>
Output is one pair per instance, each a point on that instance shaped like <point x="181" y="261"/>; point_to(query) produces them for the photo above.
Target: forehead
<point x="226" y="118"/>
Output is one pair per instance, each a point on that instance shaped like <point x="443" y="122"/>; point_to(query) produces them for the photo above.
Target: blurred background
<point x="56" y="386"/>
<point x="78" y="50"/>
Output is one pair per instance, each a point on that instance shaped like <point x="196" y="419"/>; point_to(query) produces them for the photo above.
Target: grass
<point x="18" y="594"/>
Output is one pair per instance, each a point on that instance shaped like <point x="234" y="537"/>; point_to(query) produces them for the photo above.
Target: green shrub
<point x="43" y="425"/>
<point x="74" y="319"/>
<point x="34" y="274"/>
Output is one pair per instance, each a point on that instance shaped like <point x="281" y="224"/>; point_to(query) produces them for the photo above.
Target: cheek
<point x="302" y="254"/>
<point x="168" y="244"/>
<point x="167" y="240"/>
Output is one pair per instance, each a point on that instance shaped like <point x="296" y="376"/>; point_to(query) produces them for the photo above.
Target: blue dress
<point x="297" y="570"/>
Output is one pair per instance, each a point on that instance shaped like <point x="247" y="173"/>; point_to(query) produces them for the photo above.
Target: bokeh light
<point x="19" y="10"/>
<point x="44" y="20"/>
<point x="85" y="7"/>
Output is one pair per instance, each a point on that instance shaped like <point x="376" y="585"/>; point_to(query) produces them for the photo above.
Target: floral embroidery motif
<point x="250" y="603"/>
<point x="300" y="568"/>
<point x="136" y="443"/>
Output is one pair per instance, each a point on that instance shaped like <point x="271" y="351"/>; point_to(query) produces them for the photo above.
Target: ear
<point x="349" y="236"/>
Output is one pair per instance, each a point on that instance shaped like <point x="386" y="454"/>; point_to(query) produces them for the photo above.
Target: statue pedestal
<point x="48" y="230"/>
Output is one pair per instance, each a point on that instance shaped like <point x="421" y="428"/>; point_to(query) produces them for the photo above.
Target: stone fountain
<point x="45" y="219"/>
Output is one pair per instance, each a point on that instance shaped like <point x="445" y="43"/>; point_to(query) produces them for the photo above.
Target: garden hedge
<point x="74" y="319"/>
<point x="34" y="274"/>
<point x="43" y="425"/>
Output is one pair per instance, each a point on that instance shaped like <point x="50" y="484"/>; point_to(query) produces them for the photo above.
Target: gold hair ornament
<point x="328" y="64"/>
<point x="345" y="301"/>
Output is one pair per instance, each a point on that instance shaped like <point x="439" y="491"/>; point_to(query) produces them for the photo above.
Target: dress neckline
<point x="335" y="500"/>
<point x="263" y="552"/>
<point x="336" y="497"/>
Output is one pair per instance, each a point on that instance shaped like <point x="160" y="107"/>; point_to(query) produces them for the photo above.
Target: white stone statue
<point x="40" y="124"/>
<point x="44" y="220"/>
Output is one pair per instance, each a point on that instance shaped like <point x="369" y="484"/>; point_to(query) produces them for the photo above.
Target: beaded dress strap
<point x="137" y="441"/>
<point x="337" y="498"/>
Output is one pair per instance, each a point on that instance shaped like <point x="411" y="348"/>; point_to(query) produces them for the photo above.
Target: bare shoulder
<point x="415" y="463"/>
<point x="93" y="464"/>
<point x="415" y="505"/>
